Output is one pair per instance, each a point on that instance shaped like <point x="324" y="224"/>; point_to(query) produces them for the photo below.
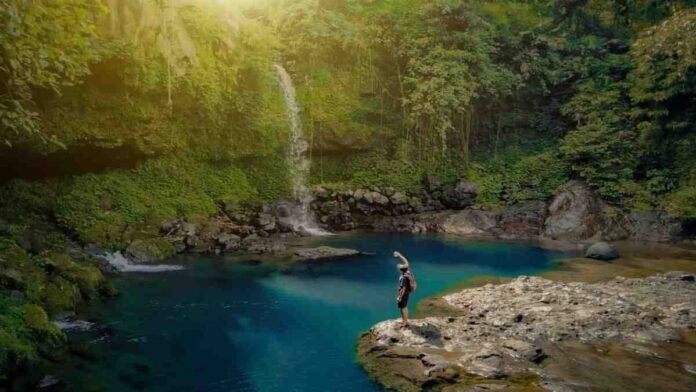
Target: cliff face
<point x="523" y="333"/>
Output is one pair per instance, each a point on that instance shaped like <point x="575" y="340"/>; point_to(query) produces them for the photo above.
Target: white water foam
<point x="123" y="264"/>
<point x="300" y="216"/>
<point x="74" y="325"/>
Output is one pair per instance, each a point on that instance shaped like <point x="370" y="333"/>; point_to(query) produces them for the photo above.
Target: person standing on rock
<point x="407" y="285"/>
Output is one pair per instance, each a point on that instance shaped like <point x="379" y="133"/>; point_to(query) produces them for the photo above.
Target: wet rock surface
<point x="325" y="252"/>
<point x="149" y="250"/>
<point x="602" y="251"/>
<point x="509" y="333"/>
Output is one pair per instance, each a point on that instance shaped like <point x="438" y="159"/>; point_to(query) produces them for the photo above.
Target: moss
<point x="150" y="249"/>
<point x="59" y="295"/>
<point x="43" y="330"/>
<point x="14" y="258"/>
<point x="25" y="333"/>
<point x="87" y="277"/>
<point x="54" y="279"/>
<point x="270" y="177"/>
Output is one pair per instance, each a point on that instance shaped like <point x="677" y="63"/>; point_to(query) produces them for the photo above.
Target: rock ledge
<point x="505" y="331"/>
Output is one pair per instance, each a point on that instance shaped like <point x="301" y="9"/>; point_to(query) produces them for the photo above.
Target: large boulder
<point x="652" y="225"/>
<point x="602" y="251"/>
<point x="458" y="195"/>
<point x="470" y="223"/>
<point x="523" y="220"/>
<point x="574" y="213"/>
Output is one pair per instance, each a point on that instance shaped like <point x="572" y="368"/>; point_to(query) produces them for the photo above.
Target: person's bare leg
<point x="404" y="316"/>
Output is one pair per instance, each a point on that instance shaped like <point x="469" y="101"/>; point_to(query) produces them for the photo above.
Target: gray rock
<point x="470" y="223"/>
<point x="229" y="242"/>
<point x="575" y="213"/>
<point x="398" y="198"/>
<point x="602" y="251"/>
<point x="266" y="222"/>
<point x="458" y="195"/>
<point x="652" y="225"/>
<point x="503" y="330"/>
<point x="188" y="229"/>
<point x="179" y="245"/>
<point x="285" y="225"/>
<point x="379" y="199"/>
<point x="325" y="252"/>
<point x="259" y="245"/>
<point x="523" y="220"/>
<point x="249" y="240"/>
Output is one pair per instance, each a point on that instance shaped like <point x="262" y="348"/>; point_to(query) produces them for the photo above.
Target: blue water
<point x="241" y="326"/>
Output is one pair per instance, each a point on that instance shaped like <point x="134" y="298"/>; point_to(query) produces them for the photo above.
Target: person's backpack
<point x="412" y="279"/>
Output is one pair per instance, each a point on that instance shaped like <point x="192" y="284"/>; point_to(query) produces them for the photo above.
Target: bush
<point x="269" y="176"/>
<point x="399" y="169"/>
<point x="531" y="177"/>
<point x="110" y="209"/>
<point x="375" y="169"/>
<point x="682" y="202"/>
<point x="25" y="332"/>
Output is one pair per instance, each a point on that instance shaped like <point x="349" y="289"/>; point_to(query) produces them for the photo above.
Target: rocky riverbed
<point x="534" y="333"/>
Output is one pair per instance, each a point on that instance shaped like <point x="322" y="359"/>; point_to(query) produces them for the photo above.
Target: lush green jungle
<point x="118" y="114"/>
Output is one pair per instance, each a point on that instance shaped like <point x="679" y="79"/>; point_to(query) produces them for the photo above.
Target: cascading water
<point x="299" y="215"/>
<point x="121" y="263"/>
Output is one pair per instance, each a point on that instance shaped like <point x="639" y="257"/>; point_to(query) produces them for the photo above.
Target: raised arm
<point x="401" y="257"/>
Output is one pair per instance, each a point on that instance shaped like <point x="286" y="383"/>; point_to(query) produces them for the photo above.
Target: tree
<point x="43" y="45"/>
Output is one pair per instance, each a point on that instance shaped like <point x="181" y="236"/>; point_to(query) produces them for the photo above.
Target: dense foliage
<point x="607" y="82"/>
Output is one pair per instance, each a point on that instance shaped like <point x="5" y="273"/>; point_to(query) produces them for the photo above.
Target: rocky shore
<point x="574" y="214"/>
<point x="525" y="333"/>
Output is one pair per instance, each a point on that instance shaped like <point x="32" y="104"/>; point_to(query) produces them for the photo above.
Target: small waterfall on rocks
<point x="121" y="263"/>
<point x="299" y="215"/>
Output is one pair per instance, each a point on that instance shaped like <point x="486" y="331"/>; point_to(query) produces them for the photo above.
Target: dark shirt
<point x="405" y="281"/>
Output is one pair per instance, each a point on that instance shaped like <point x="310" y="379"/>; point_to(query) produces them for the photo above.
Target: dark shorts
<point x="404" y="301"/>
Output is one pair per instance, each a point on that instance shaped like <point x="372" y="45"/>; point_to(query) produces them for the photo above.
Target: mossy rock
<point x="21" y="271"/>
<point x="59" y="295"/>
<point x="25" y="333"/>
<point x="150" y="249"/>
<point x="87" y="277"/>
<point x="36" y="319"/>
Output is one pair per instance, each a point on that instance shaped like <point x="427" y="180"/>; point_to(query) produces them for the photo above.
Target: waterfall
<point x="300" y="215"/>
<point x="121" y="263"/>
